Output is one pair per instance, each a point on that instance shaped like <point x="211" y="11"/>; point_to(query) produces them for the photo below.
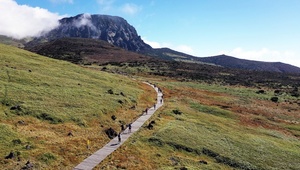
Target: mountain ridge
<point x="113" y="29"/>
<point x="225" y="61"/>
<point x="233" y="62"/>
<point x="118" y="32"/>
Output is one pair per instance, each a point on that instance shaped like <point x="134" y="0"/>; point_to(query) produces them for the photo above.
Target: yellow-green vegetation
<point x="204" y="126"/>
<point x="53" y="113"/>
<point x="43" y="100"/>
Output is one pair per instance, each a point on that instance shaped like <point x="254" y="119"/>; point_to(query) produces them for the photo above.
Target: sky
<point x="263" y="30"/>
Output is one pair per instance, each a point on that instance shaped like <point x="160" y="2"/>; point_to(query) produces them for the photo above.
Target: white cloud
<point x="130" y="9"/>
<point x="264" y="54"/>
<point x="109" y="6"/>
<point x="181" y="48"/>
<point x="85" y="20"/>
<point x="185" y="49"/>
<point x="20" y="21"/>
<point x="106" y="5"/>
<point x="62" y="1"/>
<point x="153" y="44"/>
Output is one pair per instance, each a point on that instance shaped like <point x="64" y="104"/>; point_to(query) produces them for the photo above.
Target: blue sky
<point x="265" y="30"/>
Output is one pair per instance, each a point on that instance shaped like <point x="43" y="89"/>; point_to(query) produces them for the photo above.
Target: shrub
<point x="274" y="99"/>
<point x="110" y="91"/>
<point x="260" y="92"/>
<point x="47" y="157"/>
<point x="177" y="112"/>
<point x="51" y="118"/>
<point x="16" y="141"/>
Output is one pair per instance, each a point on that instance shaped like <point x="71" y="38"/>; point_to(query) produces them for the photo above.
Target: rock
<point x="111" y="133"/>
<point x="150" y="126"/>
<point x="113" y="117"/>
<point x="274" y="99"/>
<point x="21" y="122"/>
<point x="16" y="107"/>
<point x="110" y="91"/>
<point x="27" y="147"/>
<point x="260" y="92"/>
<point x="27" y="166"/>
<point x="10" y="155"/>
<point x="70" y="133"/>
<point x="177" y="112"/>
<point x="203" y="162"/>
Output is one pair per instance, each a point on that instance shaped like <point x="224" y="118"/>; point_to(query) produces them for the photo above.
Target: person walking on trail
<point x="146" y="110"/>
<point x="122" y="127"/>
<point x="161" y="100"/>
<point x="154" y="106"/>
<point x="119" y="137"/>
<point x="129" y="127"/>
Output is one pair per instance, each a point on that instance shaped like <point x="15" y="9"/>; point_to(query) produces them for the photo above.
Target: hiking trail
<point x="97" y="157"/>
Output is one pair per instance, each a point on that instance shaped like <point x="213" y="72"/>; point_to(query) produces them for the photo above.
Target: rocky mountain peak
<point x="112" y="29"/>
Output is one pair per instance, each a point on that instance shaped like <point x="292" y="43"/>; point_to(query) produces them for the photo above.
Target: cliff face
<point x="112" y="29"/>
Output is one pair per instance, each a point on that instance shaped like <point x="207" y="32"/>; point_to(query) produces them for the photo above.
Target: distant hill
<point x="11" y="41"/>
<point x="232" y="62"/>
<point x="224" y="61"/>
<point x="112" y="29"/>
<point x="84" y="50"/>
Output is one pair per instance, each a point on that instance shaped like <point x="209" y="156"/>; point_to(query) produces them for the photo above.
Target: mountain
<point x="224" y="61"/>
<point x="232" y="62"/>
<point x="11" y="41"/>
<point x="85" y="51"/>
<point x="112" y="29"/>
<point x="116" y="31"/>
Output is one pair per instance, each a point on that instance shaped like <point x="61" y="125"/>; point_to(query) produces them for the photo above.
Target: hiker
<point x="146" y="110"/>
<point x="129" y="127"/>
<point x="119" y="137"/>
<point x="161" y="100"/>
<point x="122" y="127"/>
<point x="154" y="106"/>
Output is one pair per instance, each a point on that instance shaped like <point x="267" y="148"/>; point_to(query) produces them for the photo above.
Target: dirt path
<point x="93" y="160"/>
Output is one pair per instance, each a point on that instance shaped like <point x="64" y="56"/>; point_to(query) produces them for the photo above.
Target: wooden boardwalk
<point x="93" y="160"/>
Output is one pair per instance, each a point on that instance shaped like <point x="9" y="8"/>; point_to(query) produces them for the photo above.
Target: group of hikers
<point x="122" y="129"/>
<point x="146" y="112"/>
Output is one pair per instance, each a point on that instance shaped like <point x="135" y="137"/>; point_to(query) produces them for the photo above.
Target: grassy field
<point x="200" y="126"/>
<point x="225" y="127"/>
<point x="43" y="99"/>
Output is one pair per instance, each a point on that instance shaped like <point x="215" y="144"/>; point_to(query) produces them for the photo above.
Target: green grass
<point x="213" y="110"/>
<point x="256" y="148"/>
<point x="54" y="97"/>
<point x="203" y="127"/>
<point x="59" y="89"/>
<point x="246" y="93"/>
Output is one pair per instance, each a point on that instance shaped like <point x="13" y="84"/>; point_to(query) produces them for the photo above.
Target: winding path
<point x="93" y="160"/>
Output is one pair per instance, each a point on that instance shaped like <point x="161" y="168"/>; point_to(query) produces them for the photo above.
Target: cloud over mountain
<point x="20" y="21"/>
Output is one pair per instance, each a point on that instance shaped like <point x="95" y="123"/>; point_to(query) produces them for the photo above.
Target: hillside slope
<point x="84" y="50"/>
<point x="50" y="108"/>
<point x="232" y="62"/>
<point x="223" y="60"/>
